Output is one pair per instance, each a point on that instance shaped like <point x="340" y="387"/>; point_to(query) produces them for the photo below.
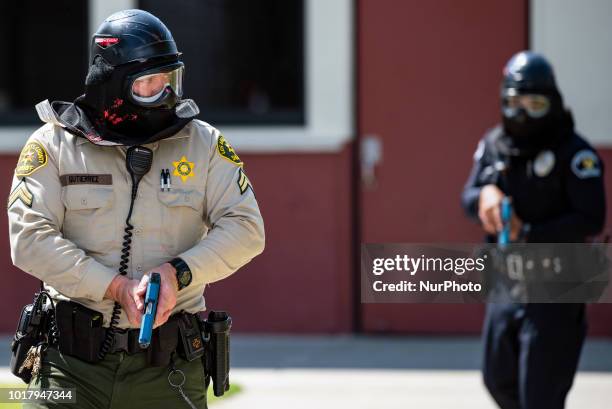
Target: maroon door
<point x="429" y="74"/>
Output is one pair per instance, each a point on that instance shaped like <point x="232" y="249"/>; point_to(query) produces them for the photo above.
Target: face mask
<point x="531" y="120"/>
<point x="161" y="86"/>
<point x="526" y="129"/>
<point x="134" y="104"/>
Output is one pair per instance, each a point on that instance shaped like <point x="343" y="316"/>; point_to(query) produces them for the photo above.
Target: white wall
<point x="576" y="36"/>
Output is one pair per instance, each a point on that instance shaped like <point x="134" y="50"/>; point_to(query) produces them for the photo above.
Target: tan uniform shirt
<point x="70" y="199"/>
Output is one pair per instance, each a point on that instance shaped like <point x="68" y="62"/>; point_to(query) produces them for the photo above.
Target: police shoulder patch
<point x="243" y="182"/>
<point x="227" y="152"/>
<point x="585" y="164"/>
<point x="21" y="192"/>
<point x="33" y="157"/>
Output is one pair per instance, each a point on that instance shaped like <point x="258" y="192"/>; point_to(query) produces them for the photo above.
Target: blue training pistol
<point x="151" y="298"/>
<point x="503" y="237"/>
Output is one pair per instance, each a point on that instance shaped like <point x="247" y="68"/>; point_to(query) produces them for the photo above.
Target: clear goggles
<point x="535" y="105"/>
<point x="151" y="87"/>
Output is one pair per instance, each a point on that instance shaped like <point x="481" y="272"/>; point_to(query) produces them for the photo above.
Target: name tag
<point x="86" y="179"/>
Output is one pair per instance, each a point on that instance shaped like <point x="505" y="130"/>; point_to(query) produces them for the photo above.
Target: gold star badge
<point x="183" y="168"/>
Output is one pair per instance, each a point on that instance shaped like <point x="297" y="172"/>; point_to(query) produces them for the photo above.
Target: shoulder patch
<point x="243" y="182"/>
<point x="226" y="151"/>
<point x="21" y="192"/>
<point x="585" y="164"/>
<point x="33" y="157"/>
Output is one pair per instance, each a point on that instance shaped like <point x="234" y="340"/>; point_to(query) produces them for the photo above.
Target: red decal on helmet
<point x="106" y="41"/>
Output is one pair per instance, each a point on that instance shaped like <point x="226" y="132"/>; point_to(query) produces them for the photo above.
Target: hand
<point x="489" y="211"/>
<point x="124" y="291"/>
<point x="168" y="291"/>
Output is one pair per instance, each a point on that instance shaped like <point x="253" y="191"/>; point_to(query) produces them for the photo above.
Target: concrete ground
<point x="376" y="388"/>
<point x="378" y="372"/>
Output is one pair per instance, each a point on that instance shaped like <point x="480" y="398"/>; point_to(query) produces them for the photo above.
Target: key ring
<point x="179" y="384"/>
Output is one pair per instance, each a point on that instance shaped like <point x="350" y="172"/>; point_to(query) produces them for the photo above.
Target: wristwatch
<point x="183" y="273"/>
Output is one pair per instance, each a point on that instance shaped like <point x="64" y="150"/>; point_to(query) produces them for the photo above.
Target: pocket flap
<point x="86" y="197"/>
<point x="182" y="197"/>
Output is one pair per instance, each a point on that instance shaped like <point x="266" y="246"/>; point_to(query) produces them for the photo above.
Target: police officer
<point x="194" y="219"/>
<point x="555" y="181"/>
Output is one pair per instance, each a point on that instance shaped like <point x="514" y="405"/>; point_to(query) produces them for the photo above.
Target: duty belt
<point x="81" y="336"/>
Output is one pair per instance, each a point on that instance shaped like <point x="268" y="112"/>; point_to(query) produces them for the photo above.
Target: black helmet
<point x="132" y="35"/>
<point x="529" y="73"/>
<point x="136" y="44"/>
<point x="531" y="104"/>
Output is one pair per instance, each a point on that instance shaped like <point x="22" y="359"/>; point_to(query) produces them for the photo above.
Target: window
<point x="243" y="58"/>
<point x="45" y="49"/>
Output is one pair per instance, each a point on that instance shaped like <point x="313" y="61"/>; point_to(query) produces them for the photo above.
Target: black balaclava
<point x="530" y="73"/>
<point x="117" y="119"/>
<point x="534" y="134"/>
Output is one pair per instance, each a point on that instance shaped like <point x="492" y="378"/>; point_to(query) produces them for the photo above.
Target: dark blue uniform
<point x="532" y="350"/>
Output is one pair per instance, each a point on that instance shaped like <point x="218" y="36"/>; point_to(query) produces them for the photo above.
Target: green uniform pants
<point x="119" y="381"/>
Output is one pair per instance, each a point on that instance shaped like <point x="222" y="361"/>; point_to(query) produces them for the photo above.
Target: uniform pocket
<point x="89" y="220"/>
<point x="181" y="217"/>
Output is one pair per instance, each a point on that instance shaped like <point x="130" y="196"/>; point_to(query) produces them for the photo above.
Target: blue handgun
<point x="151" y="298"/>
<point x="503" y="237"/>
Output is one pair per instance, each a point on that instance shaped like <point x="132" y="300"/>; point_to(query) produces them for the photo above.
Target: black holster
<point x="216" y="330"/>
<point x="80" y="330"/>
<point x="33" y="328"/>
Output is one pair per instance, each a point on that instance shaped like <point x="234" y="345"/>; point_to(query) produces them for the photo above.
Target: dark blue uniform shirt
<point x="558" y="192"/>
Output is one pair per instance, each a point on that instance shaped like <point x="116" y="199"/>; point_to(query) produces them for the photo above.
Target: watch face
<point x="185" y="278"/>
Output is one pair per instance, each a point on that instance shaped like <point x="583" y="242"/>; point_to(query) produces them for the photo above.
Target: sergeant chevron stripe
<point x="21" y="192"/>
<point x="243" y="182"/>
